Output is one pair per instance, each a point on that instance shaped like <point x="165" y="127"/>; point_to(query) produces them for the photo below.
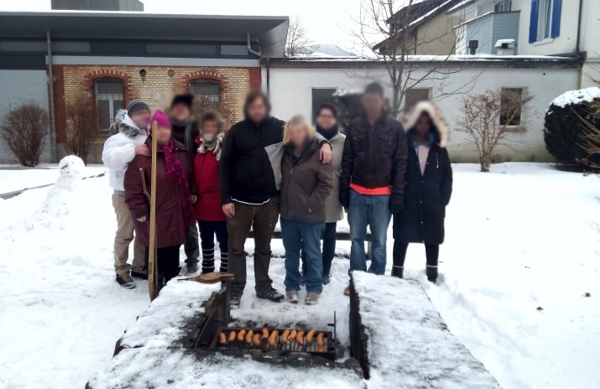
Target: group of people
<point x="227" y="182"/>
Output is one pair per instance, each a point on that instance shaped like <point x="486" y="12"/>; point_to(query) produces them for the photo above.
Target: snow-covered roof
<point x="577" y="97"/>
<point x="509" y="42"/>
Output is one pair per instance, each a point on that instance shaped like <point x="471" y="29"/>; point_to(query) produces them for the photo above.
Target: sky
<point x="326" y="21"/>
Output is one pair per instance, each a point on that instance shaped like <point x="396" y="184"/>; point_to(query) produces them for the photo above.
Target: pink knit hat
<point x="161" y="119"/>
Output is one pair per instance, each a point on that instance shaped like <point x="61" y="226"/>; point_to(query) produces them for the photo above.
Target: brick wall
<point x="156" y="88"/>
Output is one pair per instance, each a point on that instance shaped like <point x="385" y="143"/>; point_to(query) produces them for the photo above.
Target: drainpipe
<point x="250" y="50"/>
<point x="53" y="145"/>
<point x="268" y="67"/>
<point x="578" y="44"/>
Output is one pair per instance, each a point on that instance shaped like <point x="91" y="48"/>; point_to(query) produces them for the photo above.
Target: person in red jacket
<point x="208" y="210"/>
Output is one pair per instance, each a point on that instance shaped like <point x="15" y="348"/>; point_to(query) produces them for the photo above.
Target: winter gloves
<point x="396" y="203"/>
<point x="345" y="198"/>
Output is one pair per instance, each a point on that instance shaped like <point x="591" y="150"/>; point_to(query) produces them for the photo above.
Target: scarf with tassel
<point x="177" y="174"/>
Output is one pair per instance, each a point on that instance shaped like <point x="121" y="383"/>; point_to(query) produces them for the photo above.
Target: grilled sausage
<point x="249" y="336"/>
<point x="320" y="338"/>
<point x="309" y="336"/>
<point x="320" y="349"/>
<point x="265" y="334"/>
<point x="292" y="335"/>
<point x="273" y="338"/>
<point x="257" y="340"/>
<point x="300" y="338"/>
<point x="284" y="336"/>
<point x="240" y="336"/>
<point x="231" y="336"/>
<point x="222" y="338"/>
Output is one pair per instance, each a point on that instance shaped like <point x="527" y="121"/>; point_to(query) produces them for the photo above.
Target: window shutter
<point x="556" y="13"/>
<point x="533" y="22"/>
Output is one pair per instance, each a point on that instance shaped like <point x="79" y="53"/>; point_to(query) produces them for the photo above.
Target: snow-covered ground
<point x="14" y="178"/>
<point x="520" y="256"/>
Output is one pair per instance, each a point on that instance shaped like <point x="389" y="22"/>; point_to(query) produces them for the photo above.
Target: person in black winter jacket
<point x="427" y="191"/>
<point x="250" y="180"/>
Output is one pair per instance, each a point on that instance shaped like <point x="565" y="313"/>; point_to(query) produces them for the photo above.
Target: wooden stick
<point x="152" y="276"/>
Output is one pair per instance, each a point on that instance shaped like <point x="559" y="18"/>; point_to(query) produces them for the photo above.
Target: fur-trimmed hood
<point x="442" y="131"/>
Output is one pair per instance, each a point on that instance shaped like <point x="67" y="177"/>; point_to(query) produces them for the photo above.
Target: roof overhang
<point x="269" y="31"/>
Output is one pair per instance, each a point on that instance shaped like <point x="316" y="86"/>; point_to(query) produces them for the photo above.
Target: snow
<point x="519" y="238"/>
<point x="408" y="344"/>
<point x="577" y="97"/>
<point x="13" y="178"/>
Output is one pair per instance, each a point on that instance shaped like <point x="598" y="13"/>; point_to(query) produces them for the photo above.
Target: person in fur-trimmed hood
<point x="428" y="188"/>
<point x="119" y="150"/>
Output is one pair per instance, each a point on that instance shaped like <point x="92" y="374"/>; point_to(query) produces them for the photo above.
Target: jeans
<point x="262" y="219"/>
<point x="191" y="247"/>
<point x="329" y="239"/>
<point x="372" y="211"/>
<point x="306" y="237"/>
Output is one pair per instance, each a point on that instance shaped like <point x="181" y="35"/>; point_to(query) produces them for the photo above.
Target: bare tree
<point x="489" y="118"/>
<point x="83" y="117"/>
<point x="24" y="130"/>
<point x="589" y="136"/>
<point x="390" y="30"/>
<point x="202" y="103"/>
<point x="298" y="42"/>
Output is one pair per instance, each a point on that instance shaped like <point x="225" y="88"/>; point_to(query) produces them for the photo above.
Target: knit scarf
<point x="177" y="174"/>
<point x="328" y="134"/>
<point x="129" y="128"/>
<point x="212" y="143"/>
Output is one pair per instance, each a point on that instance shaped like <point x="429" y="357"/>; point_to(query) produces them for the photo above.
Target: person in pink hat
<point x="175" y="195"/>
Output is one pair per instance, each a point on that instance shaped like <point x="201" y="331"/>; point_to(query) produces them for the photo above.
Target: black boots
<point x="398" y="271"/>
<point x="432" y="273"/>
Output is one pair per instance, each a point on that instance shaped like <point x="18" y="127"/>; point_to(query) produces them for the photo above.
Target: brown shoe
<point x="347" y="291"/>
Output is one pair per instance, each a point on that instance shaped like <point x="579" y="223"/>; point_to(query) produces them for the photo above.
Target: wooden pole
<point x="152" y="276"/>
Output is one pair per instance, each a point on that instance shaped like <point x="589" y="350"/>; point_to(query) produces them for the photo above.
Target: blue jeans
<point x="373" y="211"/>
<point x="306" y="237"/>
<point x="329" y="238"/>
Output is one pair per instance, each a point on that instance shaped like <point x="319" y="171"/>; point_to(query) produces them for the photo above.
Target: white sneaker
<point x="292" y="296"/>
<point x="312" y="298"/>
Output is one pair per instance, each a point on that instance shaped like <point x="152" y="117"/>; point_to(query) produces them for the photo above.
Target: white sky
<point x="326" y="21"/>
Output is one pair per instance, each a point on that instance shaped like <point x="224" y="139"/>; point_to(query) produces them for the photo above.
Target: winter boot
<point x="208" y="260"/>
<point x="292" y="296"/>
<point x="191" y="266"/>
<point x="234" y="301"/>
<point x="432" y="273"/>
<point x="224" y="266"/>
<point x="312" y="298"/>
<point x="125" y="281"/>
<point x="398" y="271"/>
<point x="139" y="274"/>
<point x="272" y="294"/>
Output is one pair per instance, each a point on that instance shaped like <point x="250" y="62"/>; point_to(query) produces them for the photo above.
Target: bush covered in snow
<point x="564" y="127"/>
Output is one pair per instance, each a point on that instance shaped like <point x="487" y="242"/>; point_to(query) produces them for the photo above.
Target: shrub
<point x="564" y="126"/>
<point x="24" y="130"/>
<point x="83" y="116"/>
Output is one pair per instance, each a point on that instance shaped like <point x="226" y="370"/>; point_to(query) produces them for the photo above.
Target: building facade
<point x="298" y="86"/>
<point x="110" y="59"/>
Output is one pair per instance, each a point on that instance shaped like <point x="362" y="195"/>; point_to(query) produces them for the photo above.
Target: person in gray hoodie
<point x="119" y="150"/>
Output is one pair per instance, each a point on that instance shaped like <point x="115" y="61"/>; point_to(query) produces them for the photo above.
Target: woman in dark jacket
<point x="174" y="212"/>
<point x="427" y="191"/>
<point x="306" y="185"/>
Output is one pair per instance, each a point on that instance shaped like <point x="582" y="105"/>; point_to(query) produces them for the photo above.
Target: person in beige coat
<point x="327" y="126"/>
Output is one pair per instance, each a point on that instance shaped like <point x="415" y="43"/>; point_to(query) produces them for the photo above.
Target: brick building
<point x="113" y="58"/>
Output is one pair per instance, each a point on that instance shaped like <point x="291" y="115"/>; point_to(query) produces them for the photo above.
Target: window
<point x="206" y="88"/>
<point x="109" y="99"/>
<point x="503" y="6"/>
<point x="413" y="96"/>
<point x="545" y="20"/>
<point x="320" y="96"/>
<point x="510" y="106"/>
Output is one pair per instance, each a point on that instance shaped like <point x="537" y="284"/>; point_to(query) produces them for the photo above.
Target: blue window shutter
<point x="556" y="13"/>
<point x="533" y="22"/>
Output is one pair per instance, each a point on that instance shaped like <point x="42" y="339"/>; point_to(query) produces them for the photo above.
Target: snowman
<point x="61" y="198"/>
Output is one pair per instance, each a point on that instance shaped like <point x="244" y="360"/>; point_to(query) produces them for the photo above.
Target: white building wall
<point x="291" y="93"/>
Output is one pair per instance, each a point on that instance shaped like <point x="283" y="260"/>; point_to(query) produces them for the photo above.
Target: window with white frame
<point x="110" y="98"/>
<point x="545" y="20"/>
<point x="206" y="88"/>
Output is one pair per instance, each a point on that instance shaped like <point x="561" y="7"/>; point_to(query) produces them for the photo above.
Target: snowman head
<point x="72" y="167"/>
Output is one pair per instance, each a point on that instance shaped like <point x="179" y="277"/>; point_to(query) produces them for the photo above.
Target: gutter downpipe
<point x="578" y="44"/>
<point x="53" y="145"/>
<point x="268" y="67"/>
<point x="259" y="54"/>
